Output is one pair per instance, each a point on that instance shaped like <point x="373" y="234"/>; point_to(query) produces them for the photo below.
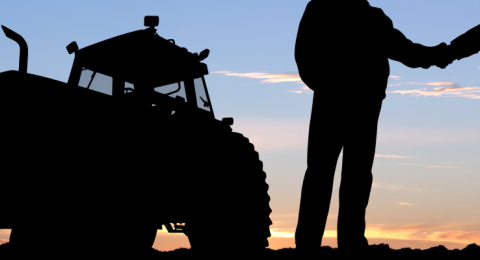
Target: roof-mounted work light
<point x="151" y="21"/>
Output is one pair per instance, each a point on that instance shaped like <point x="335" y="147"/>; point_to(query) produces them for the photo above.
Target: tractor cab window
<point x="129" y="87"/>
<point x="96" y="81"/>
<point x="173" y="90"/>
<point x="203" y="101"/>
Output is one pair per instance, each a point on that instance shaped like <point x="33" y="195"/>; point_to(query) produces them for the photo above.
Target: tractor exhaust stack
<point x="23" y="48"/>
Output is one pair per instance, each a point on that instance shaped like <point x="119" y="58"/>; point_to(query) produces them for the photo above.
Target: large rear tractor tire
<point x="231" y="208"/>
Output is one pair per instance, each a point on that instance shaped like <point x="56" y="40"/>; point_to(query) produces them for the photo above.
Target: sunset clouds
<point x="423" y="232"/>
<point x="451" y="90"/>
<point x="443" y="88"/>
<point x="444" y="83"/>
<point x="441" y="233"/>
<point x="405" y="204"/>
<point x="303" y="90"/>
<point x="467" y="92"/>
<point x="271" y="78"/>
<point x="265" y="77"/>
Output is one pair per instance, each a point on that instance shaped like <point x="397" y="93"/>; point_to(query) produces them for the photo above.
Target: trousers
<point x="349" y="124"/>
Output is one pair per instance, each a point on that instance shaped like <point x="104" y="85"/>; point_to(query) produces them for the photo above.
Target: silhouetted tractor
<point x="127" y="146"/>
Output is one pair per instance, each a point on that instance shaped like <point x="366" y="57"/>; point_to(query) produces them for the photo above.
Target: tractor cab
<point x="143" y="65"/>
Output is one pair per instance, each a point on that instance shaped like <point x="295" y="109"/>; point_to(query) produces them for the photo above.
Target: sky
<point x="426" y="172"/>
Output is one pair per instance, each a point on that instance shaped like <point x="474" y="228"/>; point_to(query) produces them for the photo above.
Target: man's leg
<point x="324" y="146"/>
<point x="356" y="183"/>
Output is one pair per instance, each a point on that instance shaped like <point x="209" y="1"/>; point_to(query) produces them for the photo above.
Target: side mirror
<point x="72" y="47"/>
<point x="204" y="54"/>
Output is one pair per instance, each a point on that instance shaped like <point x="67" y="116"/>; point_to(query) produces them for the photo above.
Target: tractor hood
<point x="142" y="57"/>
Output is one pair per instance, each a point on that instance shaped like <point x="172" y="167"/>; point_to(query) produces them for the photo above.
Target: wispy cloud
<point x="277" y="232"/>
<point x="303" y="90"/>
<point x="433" y="83"/>
<point x="391" y="156"/>
<point x="265" y="77"/>
<point x="404" y="204"/>
<point x="452" y="91"/>
<point x="394" y="85"/>
<point x="272" y="78"/>
<point x="447" y="232"/>
<point x="395" y="77"/>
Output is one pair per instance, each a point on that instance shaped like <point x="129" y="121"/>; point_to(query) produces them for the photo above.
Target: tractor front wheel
<point x="231" y="205"/>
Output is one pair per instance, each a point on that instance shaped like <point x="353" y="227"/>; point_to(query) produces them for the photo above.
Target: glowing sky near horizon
<point x="426" y="172"/>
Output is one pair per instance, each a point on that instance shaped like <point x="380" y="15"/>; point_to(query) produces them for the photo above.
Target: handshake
<point x="463" y="46"/>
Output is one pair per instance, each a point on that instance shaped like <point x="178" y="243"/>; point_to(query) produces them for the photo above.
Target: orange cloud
<point x="427" y="232"/>
<point x="454" y="91"/>
<point x="418" y="232"/>
<point x="271" y="78"/>
<point x="404" y="204"/>
<point x="433" y="83"/>
<point x="266" y="77"/>
<point x="276" y="232"/>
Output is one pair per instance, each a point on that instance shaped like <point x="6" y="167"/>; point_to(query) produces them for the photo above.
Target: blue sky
<point x="427" y="173"/>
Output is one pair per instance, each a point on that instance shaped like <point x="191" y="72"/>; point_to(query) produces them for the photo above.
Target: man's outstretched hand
<point x="444" y="55"/>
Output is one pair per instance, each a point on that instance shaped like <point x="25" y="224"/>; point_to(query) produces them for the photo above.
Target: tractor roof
<point x="142" y="57"/>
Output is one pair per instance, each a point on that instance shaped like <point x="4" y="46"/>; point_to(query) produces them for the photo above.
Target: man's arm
<point x="415" y="55"/>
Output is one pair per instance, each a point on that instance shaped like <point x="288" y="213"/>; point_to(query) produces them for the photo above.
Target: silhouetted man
<point x="342" y="53"/>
